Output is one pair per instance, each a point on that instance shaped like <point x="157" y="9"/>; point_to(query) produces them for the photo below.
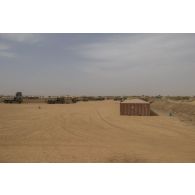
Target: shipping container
<point x="135" y="107"/>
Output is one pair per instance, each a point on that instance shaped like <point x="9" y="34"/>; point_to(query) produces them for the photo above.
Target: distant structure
<point x="135" y="107"/>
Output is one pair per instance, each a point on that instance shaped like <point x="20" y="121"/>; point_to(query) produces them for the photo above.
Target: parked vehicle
<point x="18" y="98"/>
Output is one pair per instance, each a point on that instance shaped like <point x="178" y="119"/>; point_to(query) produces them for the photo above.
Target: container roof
<point x="135" y="101"/>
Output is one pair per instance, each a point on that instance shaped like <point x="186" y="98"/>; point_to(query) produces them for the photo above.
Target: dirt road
<point x="91" y="132"/>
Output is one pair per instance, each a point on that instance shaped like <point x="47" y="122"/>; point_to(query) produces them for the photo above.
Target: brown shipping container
<point x="135" y="107"/>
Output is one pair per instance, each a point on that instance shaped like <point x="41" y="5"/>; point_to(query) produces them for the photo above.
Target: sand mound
<point x="184" y="111"/>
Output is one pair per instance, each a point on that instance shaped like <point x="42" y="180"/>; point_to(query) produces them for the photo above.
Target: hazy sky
<point x="97" y="64"/>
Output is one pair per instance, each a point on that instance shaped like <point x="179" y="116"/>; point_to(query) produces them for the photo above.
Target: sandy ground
<point x="184" y="111"/>
<point x="91" y="132"/>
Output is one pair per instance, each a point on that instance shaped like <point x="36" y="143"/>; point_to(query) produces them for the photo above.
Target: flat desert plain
<point x="91" y="132"/>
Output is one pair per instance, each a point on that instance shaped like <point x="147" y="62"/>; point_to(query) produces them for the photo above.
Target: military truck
<point x="83" y="98"/>
<point x="118" y="98"/>
<point x="62" y="100"/>
<point x="18" y="98"/>
<point x="99" y="98"/>
<point x="58" y="100"/>
<point x="75" y="100"/>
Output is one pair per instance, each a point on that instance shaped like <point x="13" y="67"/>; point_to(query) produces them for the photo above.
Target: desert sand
<point x="91" y="132"/>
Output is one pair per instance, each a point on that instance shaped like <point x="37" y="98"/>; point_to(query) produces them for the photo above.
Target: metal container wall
<point x="135" y="109"/>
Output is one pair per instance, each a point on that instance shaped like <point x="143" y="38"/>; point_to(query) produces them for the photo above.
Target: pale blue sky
<point x="97" y="64"/>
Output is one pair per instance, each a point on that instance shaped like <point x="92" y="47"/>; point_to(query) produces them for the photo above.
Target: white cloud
<point x="5" y="51"/>
<point x="7" y="54"/>
<point x="9" y="40"/>
<point x="4" y="46"/>
<point x="142" y="51"/>
<point x="21" y="37"/>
